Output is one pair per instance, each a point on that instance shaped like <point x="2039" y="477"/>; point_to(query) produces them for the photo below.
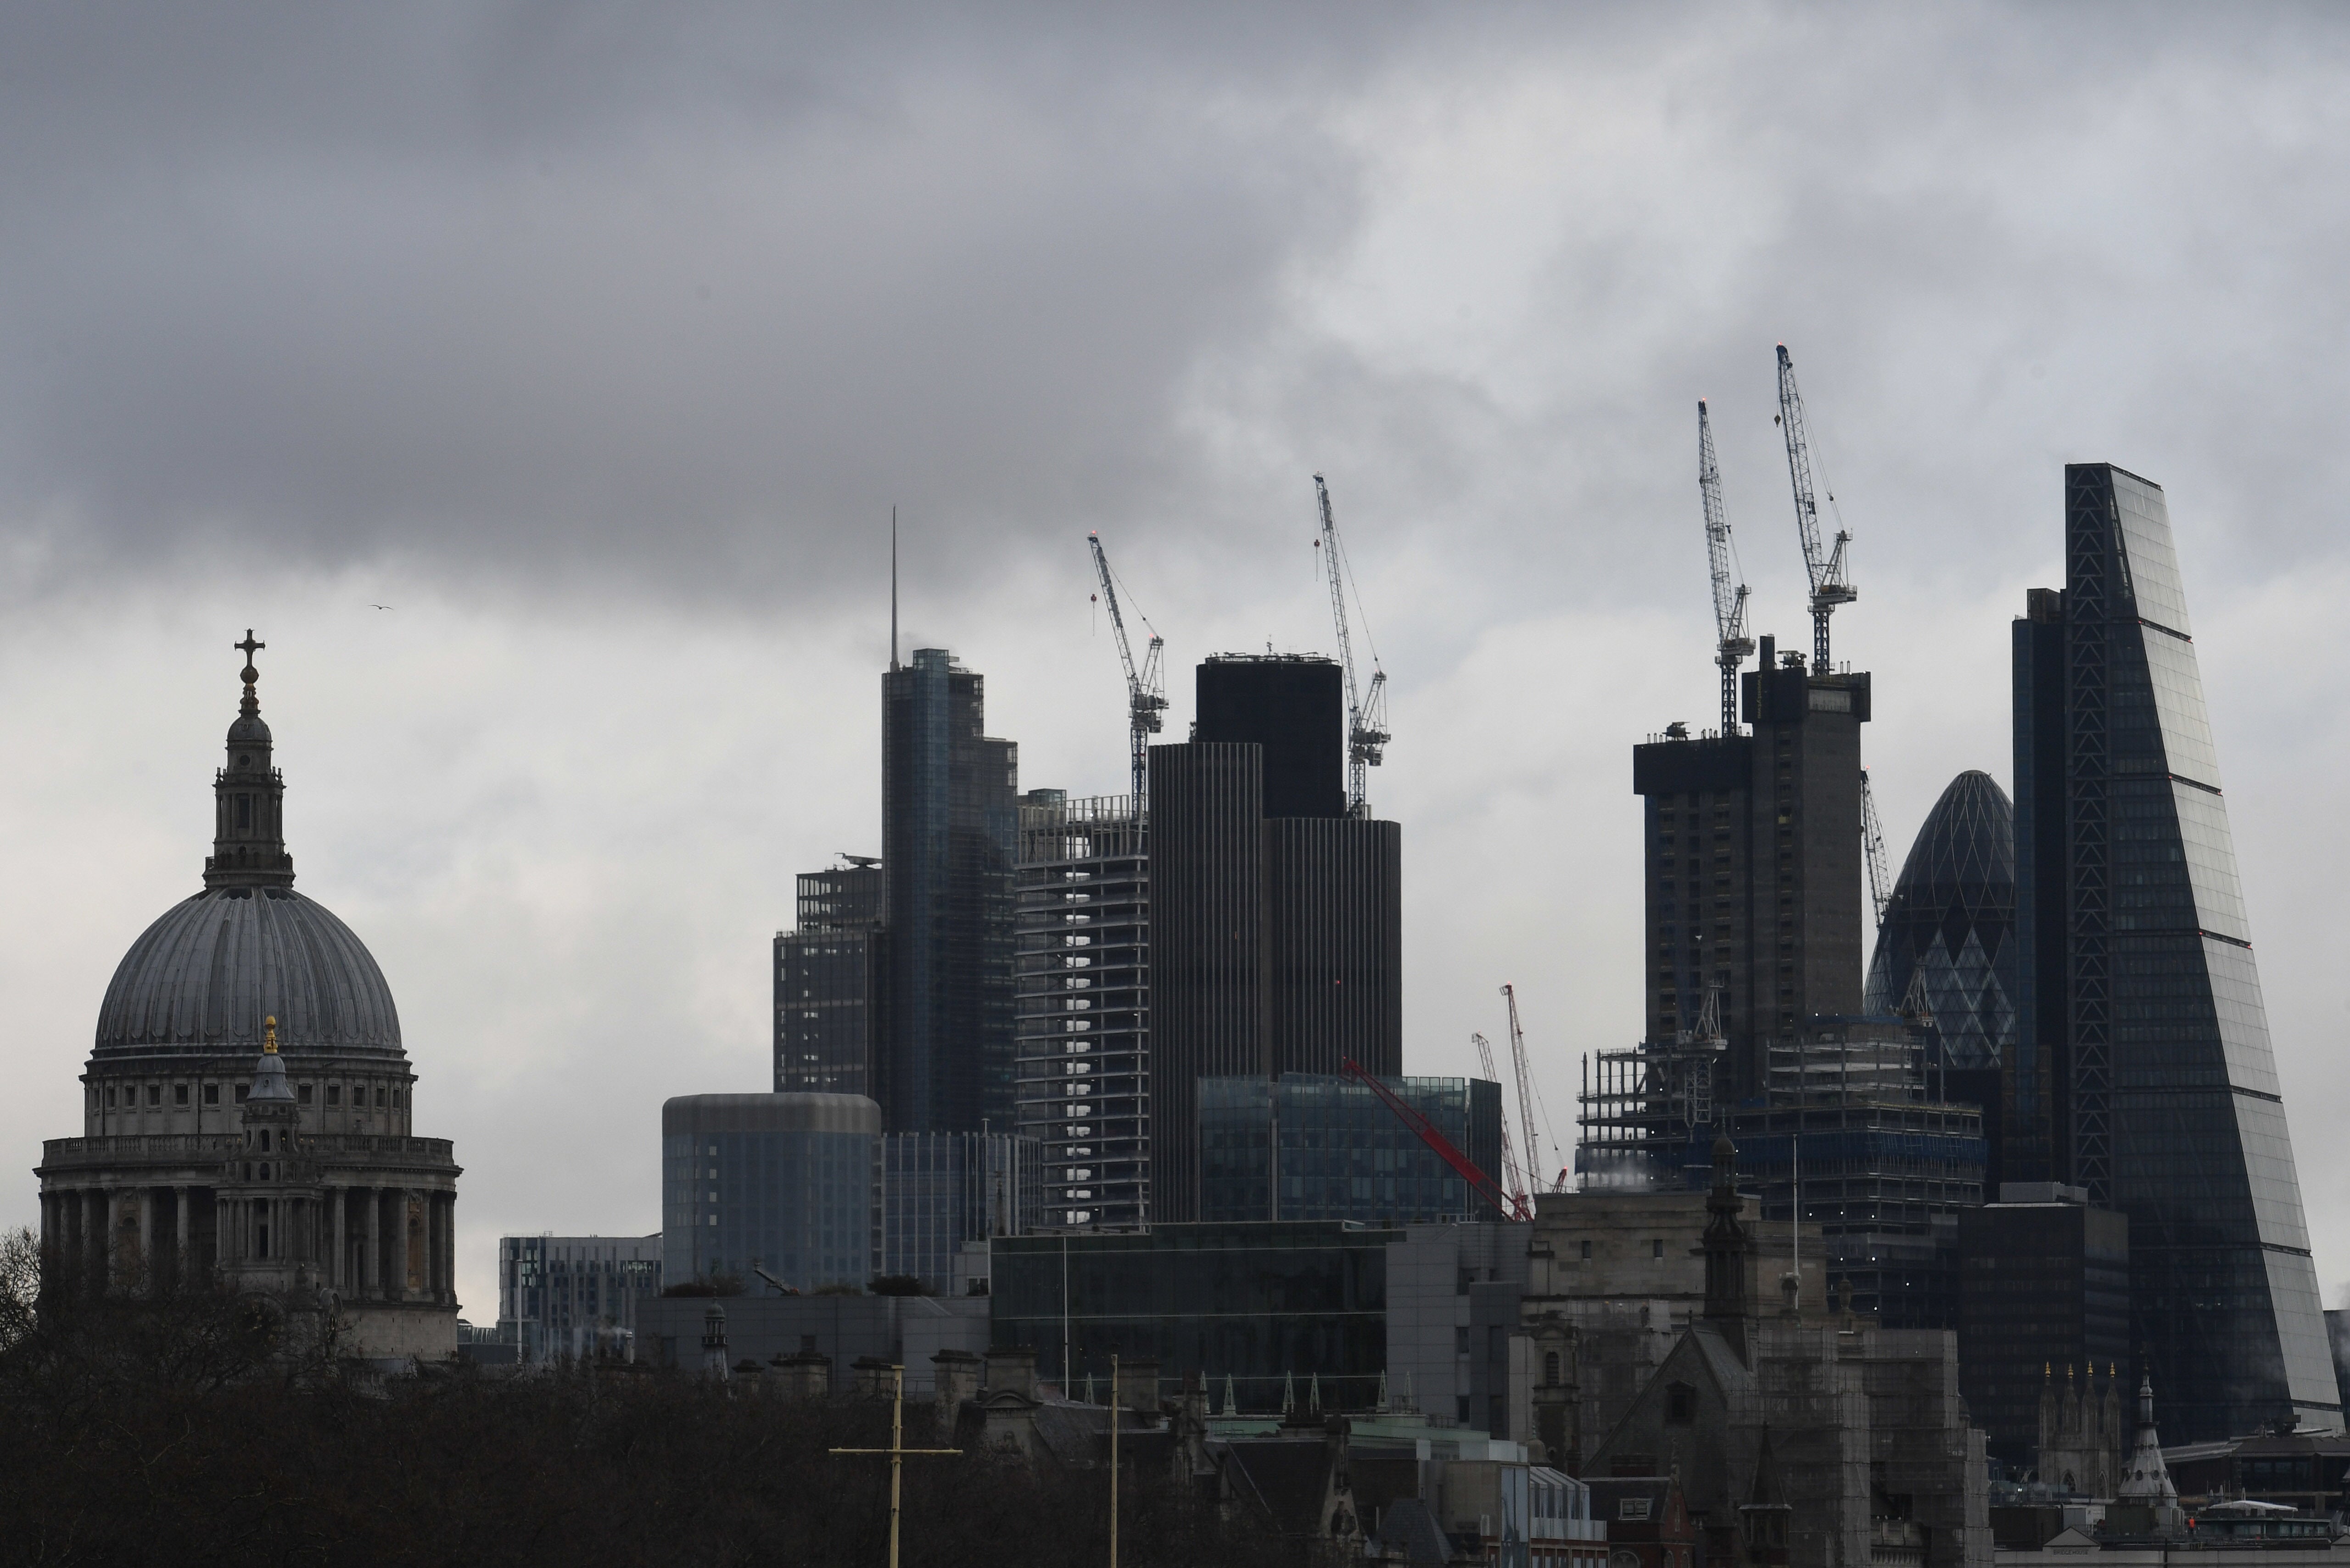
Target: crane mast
<point x="1525" y="1079"/>
<point x="1146" y="695"/>
<point x="1872" y="844"/>
<point x="1829" y="587"/>
<point x="1366" y="716"/>
<point x="1729" y="602"/>
<point x="1514" y="1173"/>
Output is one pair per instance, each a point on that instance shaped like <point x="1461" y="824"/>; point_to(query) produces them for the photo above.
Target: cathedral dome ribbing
<point x="202" y="979"/>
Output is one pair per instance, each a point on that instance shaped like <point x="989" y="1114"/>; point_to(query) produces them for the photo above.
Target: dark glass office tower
<point x="1277" y="941"/>
<point x="2174" y="1115"/>
<point x="827" y="978"/>
<point x="1952" y="916"/>
<point x="949" y="825"/>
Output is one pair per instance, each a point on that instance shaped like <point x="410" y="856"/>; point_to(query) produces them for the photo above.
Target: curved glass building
<point x="1952" y="916"/>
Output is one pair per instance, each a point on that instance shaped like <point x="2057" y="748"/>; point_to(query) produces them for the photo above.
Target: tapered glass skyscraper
<point x="2143" y="1070"/>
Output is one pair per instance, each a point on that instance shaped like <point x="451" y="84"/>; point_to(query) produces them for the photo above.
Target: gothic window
<point x="1681" y="1404"/>
<point x="212" y="1093"/>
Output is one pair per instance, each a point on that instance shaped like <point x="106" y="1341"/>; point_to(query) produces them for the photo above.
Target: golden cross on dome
<point x="249" y="647"/>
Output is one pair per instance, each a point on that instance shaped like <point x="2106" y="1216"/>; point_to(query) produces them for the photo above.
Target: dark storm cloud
<point x="684" y="297"/>
<point x="546" y="289"/>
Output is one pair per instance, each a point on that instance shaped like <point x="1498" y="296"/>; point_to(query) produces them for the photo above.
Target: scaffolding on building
<point x="1647" y="1113"/>
<point x="1082" y="1010"/>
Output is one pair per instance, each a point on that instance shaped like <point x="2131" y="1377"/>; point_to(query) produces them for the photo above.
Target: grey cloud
<point x="682" y="301"/>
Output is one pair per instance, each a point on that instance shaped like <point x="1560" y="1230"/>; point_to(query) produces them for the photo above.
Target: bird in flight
<point x="379" y="607"/>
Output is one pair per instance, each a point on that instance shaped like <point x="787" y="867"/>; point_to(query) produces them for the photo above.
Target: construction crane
<point x="1872" y="844"/>
<point x="1146" y="690"/>
<point x="1525" y="1079"/>
<point x="1367" y="719"/>
<point x="1829" y="587"/>
<point x="1729" y="603"/>
<point x="1514" y="1172"/>
<point x="1468" y="1169"/>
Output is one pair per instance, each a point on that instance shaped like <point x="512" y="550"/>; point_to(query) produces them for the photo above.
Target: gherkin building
<point x="1952" y="920"/>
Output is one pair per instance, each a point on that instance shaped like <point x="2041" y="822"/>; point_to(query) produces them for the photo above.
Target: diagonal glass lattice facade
<point x="2148" y="1046"/>
<point x="1952" y="919"/>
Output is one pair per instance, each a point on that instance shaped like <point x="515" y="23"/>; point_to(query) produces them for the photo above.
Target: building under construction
<point x="1752" y="966"/>
<point x="1083" y="1006"/>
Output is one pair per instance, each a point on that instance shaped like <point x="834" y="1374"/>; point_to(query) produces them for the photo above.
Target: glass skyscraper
<point x="1952" y="917"/>
<point x="2143" y="1070"/>
<point x="950" y="826"/>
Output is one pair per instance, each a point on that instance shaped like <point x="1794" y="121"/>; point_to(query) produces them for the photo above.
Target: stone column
<point x="147" y="1236"/>
<point x="100" y="1221"/>
<point x="406" y="1196"/>
<point x="336" y="1197"/>
<point x="371" y="1284"/>
<point x="182" y="1269"/>
<point x="449" y="1249"/>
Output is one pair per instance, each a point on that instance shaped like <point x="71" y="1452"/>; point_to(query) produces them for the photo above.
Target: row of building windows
<point x="303" y="1093"/>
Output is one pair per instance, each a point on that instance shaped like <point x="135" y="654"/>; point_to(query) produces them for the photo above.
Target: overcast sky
<point x="598" y="341"/>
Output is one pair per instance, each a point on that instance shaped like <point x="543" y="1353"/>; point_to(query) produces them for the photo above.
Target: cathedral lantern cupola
<point x="249" y="798"/>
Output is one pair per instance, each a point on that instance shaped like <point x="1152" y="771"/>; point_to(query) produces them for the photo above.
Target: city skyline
<point x="563" y="792"/>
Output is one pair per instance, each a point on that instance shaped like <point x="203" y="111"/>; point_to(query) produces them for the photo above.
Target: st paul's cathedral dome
<point x="248" y="982"/>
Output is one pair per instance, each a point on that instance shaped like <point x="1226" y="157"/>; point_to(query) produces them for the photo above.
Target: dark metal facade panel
<point x="1334" y="931"/>
<point x="1209" y="947"/>
<point x="1293" y="707"/>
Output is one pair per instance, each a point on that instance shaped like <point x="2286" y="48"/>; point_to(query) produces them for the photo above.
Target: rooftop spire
<point x="248" y="796"/>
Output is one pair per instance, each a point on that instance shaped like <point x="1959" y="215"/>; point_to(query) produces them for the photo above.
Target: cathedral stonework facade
<point x="248" y="1113"/>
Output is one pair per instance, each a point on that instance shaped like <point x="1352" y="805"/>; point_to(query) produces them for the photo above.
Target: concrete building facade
<point x="1083" y="1014"/>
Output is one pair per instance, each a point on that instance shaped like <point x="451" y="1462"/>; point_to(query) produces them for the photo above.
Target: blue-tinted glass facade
<point x="949" y="825"/>
<point x="1952" y="917"/>
<point x="1258" y="1304"/>
<point x="2169" y="1099"/>
<point x="942" y="1189"/>
<point x="1342" y="1154"/>
<point x="779" y="1182"/>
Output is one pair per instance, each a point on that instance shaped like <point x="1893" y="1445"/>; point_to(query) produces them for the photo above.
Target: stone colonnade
<point x="369" y="1242"/>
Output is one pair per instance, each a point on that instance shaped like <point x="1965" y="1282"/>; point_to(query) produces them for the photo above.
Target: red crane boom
<point x="1462" y="1166"/>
